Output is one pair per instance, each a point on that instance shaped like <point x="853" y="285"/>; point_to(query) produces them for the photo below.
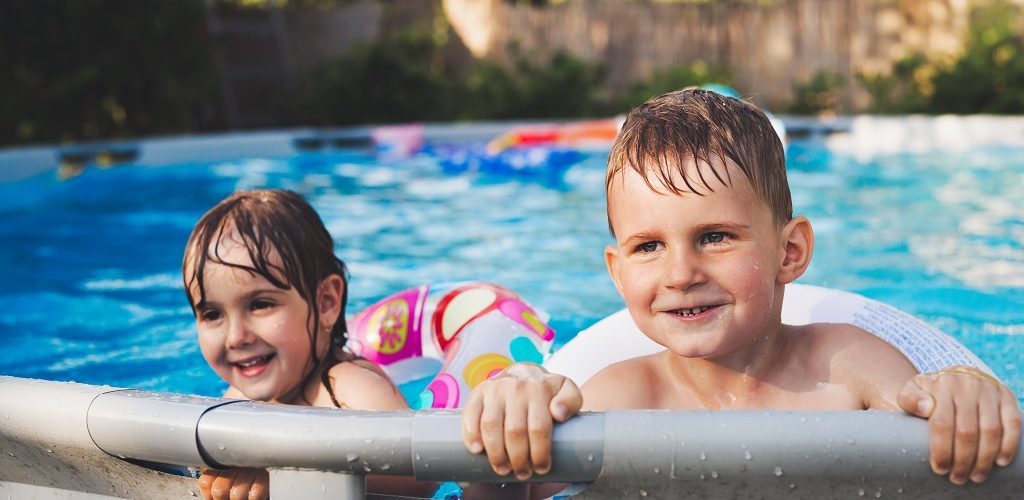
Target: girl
<point x="268" y="294"/>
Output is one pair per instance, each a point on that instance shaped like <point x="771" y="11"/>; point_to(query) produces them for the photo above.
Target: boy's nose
<point x="684" y="270"/>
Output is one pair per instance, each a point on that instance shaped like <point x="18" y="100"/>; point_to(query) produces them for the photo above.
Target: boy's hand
<point x="973" y="421"/>
<point x="510" y="416"/>
<point x="235" y="484"/>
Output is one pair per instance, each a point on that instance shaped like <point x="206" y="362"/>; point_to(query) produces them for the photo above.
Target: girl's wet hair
<point x="273" y="223"/>
<point x="666" y="134"/>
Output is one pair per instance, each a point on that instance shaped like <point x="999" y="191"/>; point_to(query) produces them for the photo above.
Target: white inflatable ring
<point x="616" y="338"/>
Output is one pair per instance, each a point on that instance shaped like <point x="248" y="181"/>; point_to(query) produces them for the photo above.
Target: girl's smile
<point x="254" y="334"/>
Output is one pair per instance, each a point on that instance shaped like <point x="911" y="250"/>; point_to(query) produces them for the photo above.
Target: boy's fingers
<point x="492" y="428"/>
<point x="540" y="437"/>
<point x="965" y="440"/>
<point x="517" y="439"/>
<point x="990" y="434"/>
<point x="1011" y="421"/>
<point x="567" y="401"/>
<point x="471" y="423"/>
<point x="940" y="435"/>
<point x="914" y="399"/>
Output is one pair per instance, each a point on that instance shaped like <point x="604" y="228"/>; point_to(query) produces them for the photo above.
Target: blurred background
<point x="111" y="69"/>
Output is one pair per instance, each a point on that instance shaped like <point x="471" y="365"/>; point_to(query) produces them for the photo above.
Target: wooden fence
<point x="770" y="45"/>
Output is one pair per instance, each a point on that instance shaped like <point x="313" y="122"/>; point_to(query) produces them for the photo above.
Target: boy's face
<point x="698" y="272"/>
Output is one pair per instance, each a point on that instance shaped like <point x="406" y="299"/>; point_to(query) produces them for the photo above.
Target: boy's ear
<point x="330" y="297"/>
<point x="611" y="261"/>
<point x="797" y="240"/>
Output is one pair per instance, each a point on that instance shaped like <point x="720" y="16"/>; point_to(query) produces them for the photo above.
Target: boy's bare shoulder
<point x="846" y="344"/>
<point x="626" y="384"/>
<point x="853" y="357"/>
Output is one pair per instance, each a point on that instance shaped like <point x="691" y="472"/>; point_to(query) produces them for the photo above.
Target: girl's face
<point x="253" y="334"/>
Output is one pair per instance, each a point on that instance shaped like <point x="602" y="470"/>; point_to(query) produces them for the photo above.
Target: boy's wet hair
<point x="273" y="222"/>
<point x="666" y="134"/>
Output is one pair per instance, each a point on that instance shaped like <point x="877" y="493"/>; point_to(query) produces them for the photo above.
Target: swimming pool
<point x="91" y="290"/>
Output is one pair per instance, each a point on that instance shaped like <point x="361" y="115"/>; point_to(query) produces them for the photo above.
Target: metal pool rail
<point x="73" y="440"/>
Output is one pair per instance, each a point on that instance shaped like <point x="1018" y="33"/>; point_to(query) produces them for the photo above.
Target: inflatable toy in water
<point x="531" y="162"/>
<point x="577" y="135"/>
<point x="617" y="338"/>
<point x="477" y="328"/>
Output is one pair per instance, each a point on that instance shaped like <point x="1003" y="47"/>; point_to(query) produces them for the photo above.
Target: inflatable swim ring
<point x="477" y="329"/>
<point x="616" y="338"/>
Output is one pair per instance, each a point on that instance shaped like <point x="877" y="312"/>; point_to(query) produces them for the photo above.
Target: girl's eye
<point x="209" y="315"/>
<point x="647" y="247"/>
<point x="261" y="304"/>
<point x="714" y="238"/>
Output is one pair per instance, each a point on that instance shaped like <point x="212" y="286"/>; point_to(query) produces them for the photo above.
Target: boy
<point x="705" y="242"/>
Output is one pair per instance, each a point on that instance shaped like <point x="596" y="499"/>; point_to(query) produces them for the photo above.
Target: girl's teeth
<point x="692" y="312"/>
<point x="256" y="361"/>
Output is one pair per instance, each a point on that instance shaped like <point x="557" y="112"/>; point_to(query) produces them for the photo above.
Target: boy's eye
<point x="647" y="247"/>
<point x="714" y="238"/>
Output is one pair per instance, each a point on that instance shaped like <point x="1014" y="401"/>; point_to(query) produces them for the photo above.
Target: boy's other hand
<point x="973" y="421"/>
<point x="510" y="417"/>
<point x="235" y="484"/>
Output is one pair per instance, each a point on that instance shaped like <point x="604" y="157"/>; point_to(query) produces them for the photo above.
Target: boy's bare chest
<point x="798" y="396"/>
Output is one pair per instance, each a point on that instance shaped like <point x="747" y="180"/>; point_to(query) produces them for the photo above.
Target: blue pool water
<point x="89" y="268"/>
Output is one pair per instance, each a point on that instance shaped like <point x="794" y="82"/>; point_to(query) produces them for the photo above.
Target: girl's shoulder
<point x="362" y="385"/>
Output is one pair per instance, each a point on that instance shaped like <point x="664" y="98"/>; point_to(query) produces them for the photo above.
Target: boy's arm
<point x="974" y="421"/>
<point x="510" y="416"/>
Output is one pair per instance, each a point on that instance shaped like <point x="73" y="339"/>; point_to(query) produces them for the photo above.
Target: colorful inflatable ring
<point x="476" y="328"/>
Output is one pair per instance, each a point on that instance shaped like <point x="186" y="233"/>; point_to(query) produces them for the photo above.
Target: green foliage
<point x="103" y="69"/>
<point x="407" y="78"/>
<point x="987" y="78"/>
<point x="674" y="78"/>
<point x="820" y="94"/>
<point x="560" y="87"/>
<point x="399" y="79"/>
<point x="906" y="90"/>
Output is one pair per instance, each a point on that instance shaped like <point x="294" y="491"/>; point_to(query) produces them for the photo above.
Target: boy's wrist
<point x="969" y="371"/>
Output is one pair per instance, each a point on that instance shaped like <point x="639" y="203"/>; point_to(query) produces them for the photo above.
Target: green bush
<point x="104" y="69"/>
<point x="400" y="79"/>
<point x="906" y="90"/>
<point x="987" y="78"/>
<point x="820" y="94"/>
<point x="673" y="78"/>
<point x="406" y="79"/>
<point x="563" y="86"/>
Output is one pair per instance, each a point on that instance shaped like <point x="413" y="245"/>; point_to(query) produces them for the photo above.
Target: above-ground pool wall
<point x="46" y="450"/>
<point x="52" y="433"/>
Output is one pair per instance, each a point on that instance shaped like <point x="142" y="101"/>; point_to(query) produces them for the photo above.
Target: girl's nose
<point x="239" y="334"/>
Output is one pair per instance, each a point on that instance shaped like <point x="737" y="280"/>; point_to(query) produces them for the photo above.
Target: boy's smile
<point x="698" y="272"/>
